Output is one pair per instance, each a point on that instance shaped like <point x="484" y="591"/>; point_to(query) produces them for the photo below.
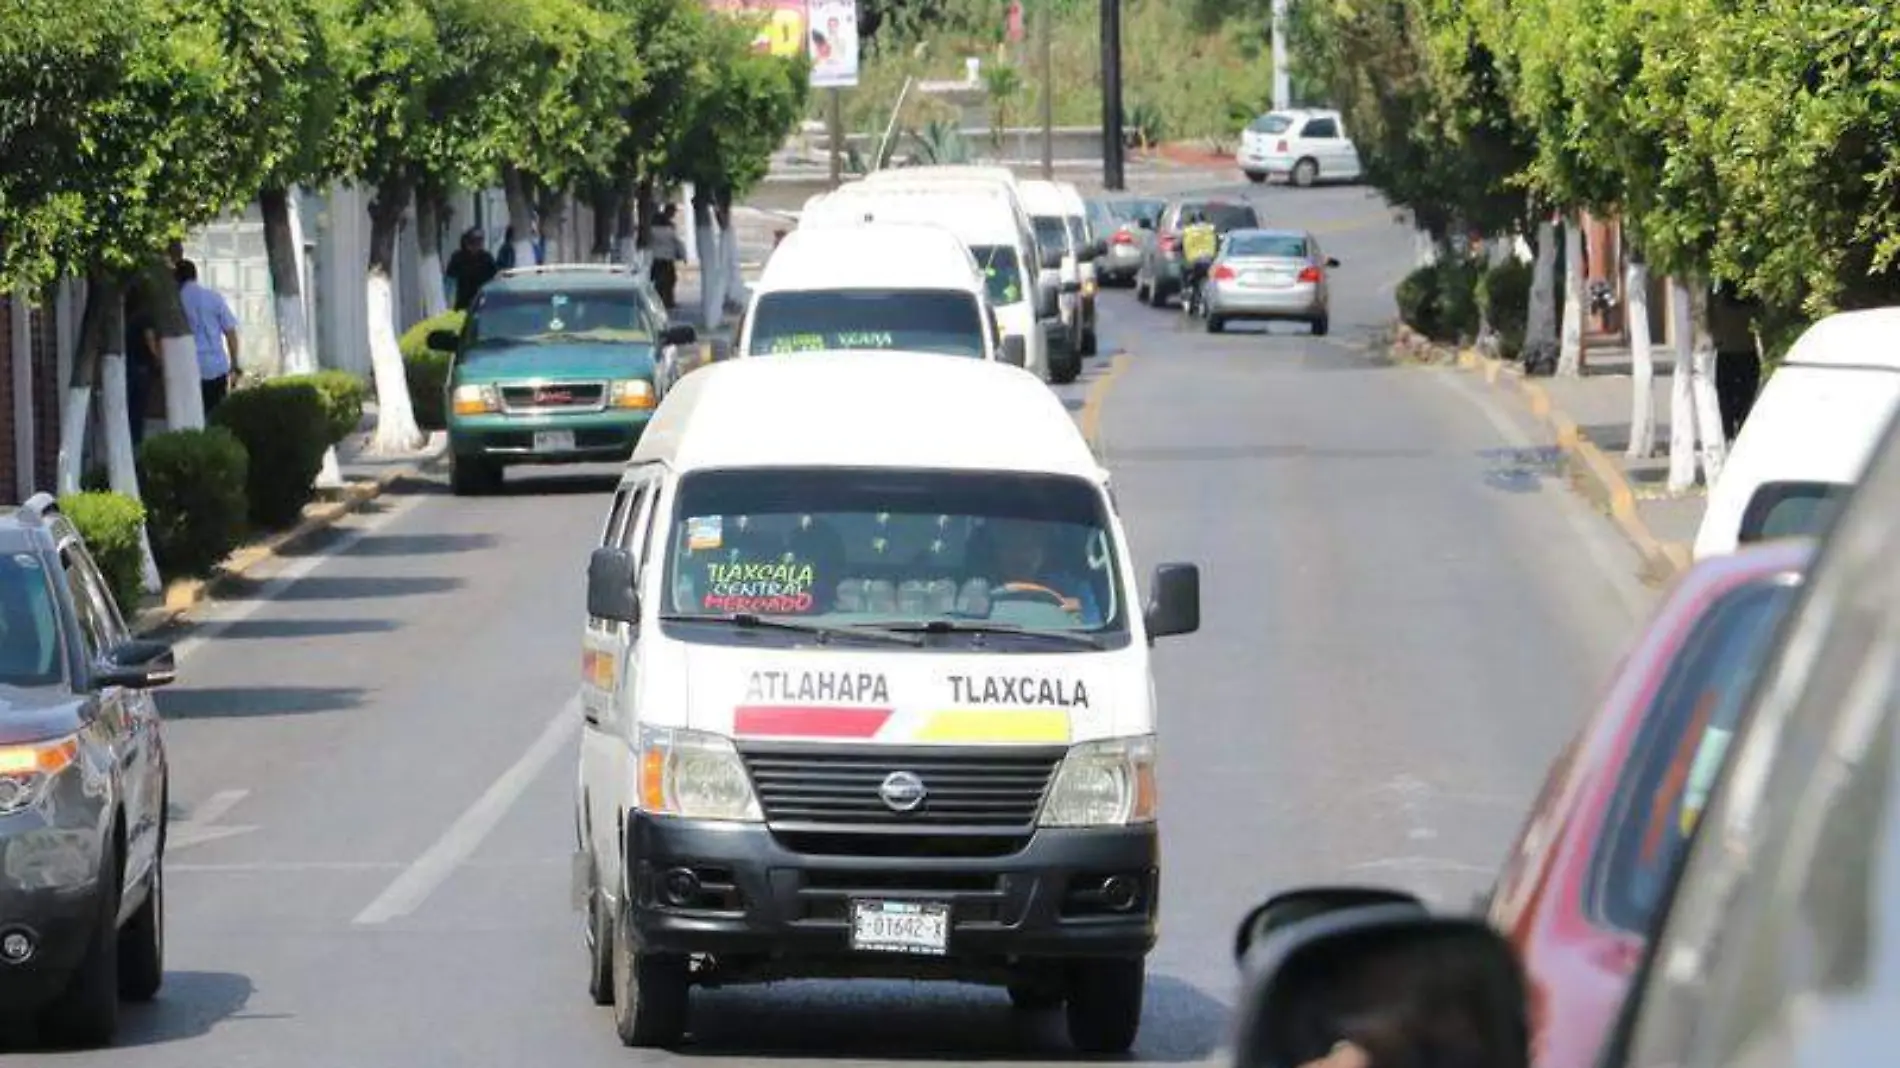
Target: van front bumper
<point x="778" y="913"/>
<point x="597" y="436"/>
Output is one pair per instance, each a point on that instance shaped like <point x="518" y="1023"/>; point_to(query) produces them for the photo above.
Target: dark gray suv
<point x="82" y="789"/>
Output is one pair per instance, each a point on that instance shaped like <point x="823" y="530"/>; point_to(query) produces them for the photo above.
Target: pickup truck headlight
<point x="27" y="770"/>
<point x="633" y="393"/>
<point x="476" y="400"/>
<point x="695" y="775"/>
<point x="1110" y="783"/>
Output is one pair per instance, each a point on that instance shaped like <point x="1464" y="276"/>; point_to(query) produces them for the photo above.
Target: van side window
<point x="1322" y="129"/>
<point x="617" y="516"/>
<point x="1791" y="510"/>
<point x="641" y="535"/>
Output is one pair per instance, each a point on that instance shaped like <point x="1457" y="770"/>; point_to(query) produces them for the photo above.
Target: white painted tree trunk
<point x="184" y="398"/>
<point x="1642" y="443"/>
<point x="121" y="467"/>
<point x="73" y="424"/>
<point x="735" y="290"/>
<point x="1570" y="347"/>
<point x="1711" y="439"/>
<point x="283" y="238"/>
<point x="435" y="296"/>
<point x="1682" y="414"/>
<point x="1424" y="249"/>
<point x="706" y="244"/>
<point x="1541" y="326"/>
<point x="396" y="429"/>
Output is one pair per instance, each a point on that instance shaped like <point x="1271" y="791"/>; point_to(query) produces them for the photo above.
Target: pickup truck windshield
<point x="925" y="320"/>
<point x="540" y="316"/>
<point x="890" y="548"/>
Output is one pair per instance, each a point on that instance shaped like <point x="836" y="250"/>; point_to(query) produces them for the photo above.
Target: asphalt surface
<point x="1405" y="613"/>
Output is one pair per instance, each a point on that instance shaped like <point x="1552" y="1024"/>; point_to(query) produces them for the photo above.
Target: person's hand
<point x="1343" y="1055"/>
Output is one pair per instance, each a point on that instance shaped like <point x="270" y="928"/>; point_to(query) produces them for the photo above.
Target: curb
<point x="1593" y="474"/>
<point x="184" y="595"/>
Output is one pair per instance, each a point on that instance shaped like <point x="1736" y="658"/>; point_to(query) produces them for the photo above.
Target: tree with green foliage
<point x="671" y="37"/>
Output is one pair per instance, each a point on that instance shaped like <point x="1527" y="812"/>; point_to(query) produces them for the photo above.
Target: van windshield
<point x="1002" y="272"/>
<point x="1052" y="232"/>
<point x="899" y="549"/>
<point x="924" y="320"/>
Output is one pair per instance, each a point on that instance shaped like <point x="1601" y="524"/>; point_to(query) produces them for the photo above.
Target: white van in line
<point x="867" y="694"/>
<point x="988" y="220"/>
<point x="885" y="286"/>
<point x="1809" y="435"/>
<point x="1057" y="211"/>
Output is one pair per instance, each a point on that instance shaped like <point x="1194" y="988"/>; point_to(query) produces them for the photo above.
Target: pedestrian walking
<point x="214" y="329"/>
<point x="668" y="250"/>
<point x="141" y="358"/>
<point x="471" y="267"/>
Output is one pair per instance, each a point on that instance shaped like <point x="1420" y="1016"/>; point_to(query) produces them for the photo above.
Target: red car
<point x="1586" y="875"/>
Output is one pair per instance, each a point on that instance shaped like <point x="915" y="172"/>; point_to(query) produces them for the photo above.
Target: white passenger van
<point x="1061" y="221"/>
<point x="886" y="286"/>
<point x="986" y="217"/>
<point x="1809" y="434"/>
<point x="867" y="694"/>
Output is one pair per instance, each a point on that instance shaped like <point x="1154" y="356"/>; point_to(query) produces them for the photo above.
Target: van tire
<point x="1305" y="172"/>
<point x="1256" y="177"/>
<point x="600" y="945"/>
<point x="1067" y="369"/>
<point x="1104" y="1004"/>
<point x="651" y="993"/>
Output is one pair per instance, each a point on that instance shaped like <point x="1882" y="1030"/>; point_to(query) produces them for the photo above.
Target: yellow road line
<point x="1092" y="403"/>
<point x="1357" y="222"/>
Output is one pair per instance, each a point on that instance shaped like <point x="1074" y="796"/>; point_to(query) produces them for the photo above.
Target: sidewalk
<point x="1590" y="417"/>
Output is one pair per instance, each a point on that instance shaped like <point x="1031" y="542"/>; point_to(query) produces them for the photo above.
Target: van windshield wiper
<point x="822" y="631"/>
<point x="969" y="626"/>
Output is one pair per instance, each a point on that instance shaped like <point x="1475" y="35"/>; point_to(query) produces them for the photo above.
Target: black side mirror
<point x="1295" y="906"/>
<point x="1048" y="290"/>
<point x="1145" y="224"/>
<point x="610" y="594"/>
<point x="1174" y="605"/>
<point x="679" y="334"/>
<point x="1016" y="350"/>
<point x="1331" y="262"/>
<point x="1071" y="285"/>
<point x="138" y="665"/>
<point x="444" y="340"/>
<point x="1405" y="987"/>
<point x="1097" y="250"/>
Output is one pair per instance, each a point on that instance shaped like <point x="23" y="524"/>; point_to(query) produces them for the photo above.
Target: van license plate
<point x="554" y="441"/>
<point x="900" y="927"/>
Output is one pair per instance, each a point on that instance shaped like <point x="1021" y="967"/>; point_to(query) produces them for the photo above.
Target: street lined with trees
<point x="125" y="124"/>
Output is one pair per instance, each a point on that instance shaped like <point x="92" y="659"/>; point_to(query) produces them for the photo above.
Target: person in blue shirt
<point x="214" y="330"/>
<point x="1026" y="567"/>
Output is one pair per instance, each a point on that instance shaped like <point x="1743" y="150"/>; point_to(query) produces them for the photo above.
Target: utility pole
<point x="837" y="136"/>
<point x="1282" y="80"/>
<point x="1045" y="43"/>
<point x="1112" y="96"/>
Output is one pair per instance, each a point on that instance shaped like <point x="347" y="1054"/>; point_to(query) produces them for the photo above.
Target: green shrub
<point x="1504" y="296"/>
<point x="285" y="430"/>
<point x="1458" y="299"/>
<point x="1417" y="295"/>
<point x="427" y="370"/>
<point x="194" y="482"/>
<point x="110" y="523"/>
<point x="343" y="395"/>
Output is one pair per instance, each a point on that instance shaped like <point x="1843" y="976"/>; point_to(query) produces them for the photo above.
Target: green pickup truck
<point x="554" y="365"/>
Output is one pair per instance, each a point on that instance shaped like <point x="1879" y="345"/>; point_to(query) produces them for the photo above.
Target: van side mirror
<point x="1174" y="605"/>
<point x="1052" y="258"/>
<point x="679" y="334"/>
<point x="1015" y="350"/>
<point x="1404" y="986"/>
<point x="1071" y="285"/>
<point x="1294" y="906"/>
<point x="1048" y="294"/>
<point x="610" y="594"/>
<point x="1332" y="261"/>
<point x="444" y="340"/>
<point x="1096" y="250"/>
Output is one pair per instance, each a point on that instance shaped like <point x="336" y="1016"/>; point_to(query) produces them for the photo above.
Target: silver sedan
<point x="1266" y="275"/>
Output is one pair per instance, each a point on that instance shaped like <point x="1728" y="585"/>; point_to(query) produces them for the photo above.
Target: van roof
<point x="874" y="255"/>
<point x="963" y="209"/>
<point x="965" y="171"/>
<point x="866" y="409"/>
<point x="1869" y="338"/>
<point x="1045" y="198"/>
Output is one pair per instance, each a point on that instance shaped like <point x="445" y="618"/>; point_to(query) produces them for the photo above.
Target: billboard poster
<point x="783" y="31"/>
<point x="834" y="44"/>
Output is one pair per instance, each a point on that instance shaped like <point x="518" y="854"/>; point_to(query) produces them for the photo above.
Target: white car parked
<point x="1301" y="145"/>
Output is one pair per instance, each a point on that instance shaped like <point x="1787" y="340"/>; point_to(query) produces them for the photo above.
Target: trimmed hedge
<point x="111" y="523"/>
<point x="194" y="485"/>
<point x="286" y="430"/>
<point x="427" y="369"/>
<point x="1504" y="295"/>
<point x="1440" y="300"/>
<point x="343" y="396"/>
<point x="1417" y="295"/>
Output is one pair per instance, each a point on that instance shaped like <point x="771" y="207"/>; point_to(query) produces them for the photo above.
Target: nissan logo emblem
<point x="902" y="791"/>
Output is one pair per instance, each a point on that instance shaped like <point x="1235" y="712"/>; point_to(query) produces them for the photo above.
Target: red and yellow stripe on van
<point x="986" y="726"/>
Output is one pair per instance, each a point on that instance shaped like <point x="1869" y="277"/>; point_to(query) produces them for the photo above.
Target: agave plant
<point x="939" y="142"/>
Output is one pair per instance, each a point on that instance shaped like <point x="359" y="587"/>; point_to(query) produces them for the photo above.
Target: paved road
<point x="374" y="766"/>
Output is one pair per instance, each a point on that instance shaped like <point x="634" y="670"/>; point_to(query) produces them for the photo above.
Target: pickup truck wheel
<point x="650" y="994"/>
<point x="472" y="477"/>
<point x="86" y="1013"/>
<point x="1104" y="1004"/>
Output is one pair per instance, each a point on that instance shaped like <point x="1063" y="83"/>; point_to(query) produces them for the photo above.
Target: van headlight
<point x="1110" y="783"/>
<point x="695" y="775"/>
